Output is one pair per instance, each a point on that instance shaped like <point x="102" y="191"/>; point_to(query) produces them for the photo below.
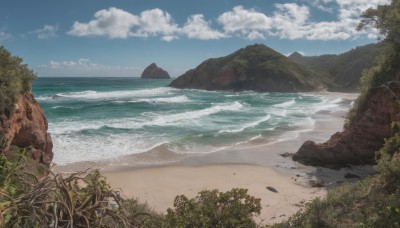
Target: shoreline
<point x="159" y="175"/>
<point x="158" y="186"/>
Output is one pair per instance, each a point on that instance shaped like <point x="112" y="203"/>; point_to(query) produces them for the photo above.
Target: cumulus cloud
<point x="85" y="67"/>
<point x="245" y="22"/>
<point x="112" y="23"/>
<point x="287" y="21"/>
<point x="47" y="32"/>
<point x="198" y="28"/>
<point x="156" y="22"/>
<point x="290" y="21"/>
<point x="322" y="5"/>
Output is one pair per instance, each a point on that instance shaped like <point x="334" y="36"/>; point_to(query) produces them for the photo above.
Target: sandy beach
<point x="159" y="186"/>
<point x="159" y="175"/>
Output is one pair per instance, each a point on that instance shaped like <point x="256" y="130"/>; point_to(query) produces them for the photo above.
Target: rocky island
<point x="255" y="67"/>
<point x="155" y="72"/>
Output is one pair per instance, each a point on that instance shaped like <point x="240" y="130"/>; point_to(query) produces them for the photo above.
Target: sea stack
<point x="155" y="72"/>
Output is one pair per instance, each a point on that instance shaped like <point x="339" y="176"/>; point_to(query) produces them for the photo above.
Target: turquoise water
<point x="105" y="118"/>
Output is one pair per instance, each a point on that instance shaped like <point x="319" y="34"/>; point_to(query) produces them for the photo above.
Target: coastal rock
<point x="155" y="72"/>
<point x="27" y="128"/>
<point x="255" y="67"/>
<point x="362" y="137"/>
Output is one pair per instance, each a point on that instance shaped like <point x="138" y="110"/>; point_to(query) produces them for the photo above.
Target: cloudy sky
<point x="121" y="37"/>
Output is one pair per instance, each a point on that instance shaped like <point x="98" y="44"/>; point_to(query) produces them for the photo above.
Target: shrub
<point x="45" y="199"/>
<point x="211" y="208"/>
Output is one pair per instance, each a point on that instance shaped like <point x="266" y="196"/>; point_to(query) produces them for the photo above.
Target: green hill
<point x="255" y="67"/>
<point x="344" y="70"/>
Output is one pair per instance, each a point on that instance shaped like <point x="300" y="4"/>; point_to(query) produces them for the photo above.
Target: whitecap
<point x="285" y="104"/>
<point x="248" y="125"/>
<point x="94" y="95"/>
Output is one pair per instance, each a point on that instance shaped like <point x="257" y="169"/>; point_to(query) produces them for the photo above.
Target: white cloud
<point x="4" y="36"/>
<point x="244" y="22"/>
<point x="156" y="22"/>
<point x="322" y="5"/>
<point x="197" y="28"/>
<point x="290" y="21"/>
<point x="112" y="22"/>
<point x="287" y="21"/>
<point x="254" y="35"/>
<point x="47" y="32"/>
<point x="84" y="67"/>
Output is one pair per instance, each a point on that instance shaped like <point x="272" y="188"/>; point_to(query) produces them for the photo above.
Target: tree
<point x="386" y="18"/>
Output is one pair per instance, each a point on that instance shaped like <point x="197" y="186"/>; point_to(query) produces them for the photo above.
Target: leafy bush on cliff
<point x="15" y="80"/>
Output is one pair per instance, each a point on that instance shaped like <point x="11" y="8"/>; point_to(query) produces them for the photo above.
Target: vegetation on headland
<point x="15" y="80"/>
<point x="255" y="67"/>
<point x="342" y="72"/>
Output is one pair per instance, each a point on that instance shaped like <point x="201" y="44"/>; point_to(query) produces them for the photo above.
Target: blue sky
<point x="121" y="37"/>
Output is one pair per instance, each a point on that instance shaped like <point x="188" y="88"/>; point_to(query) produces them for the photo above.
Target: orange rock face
<point x="359" y="141"/>
<point x="27" y="128"/>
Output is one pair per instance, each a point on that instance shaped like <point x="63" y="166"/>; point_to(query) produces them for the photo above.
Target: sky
<point x="119" y="38"/>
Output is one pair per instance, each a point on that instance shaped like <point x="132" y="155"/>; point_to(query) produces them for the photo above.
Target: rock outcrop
<point x="364" y="135"/>
<point x="155" y="72"/>
<point x="256" y="68"/>
<point x="27" y="128"/>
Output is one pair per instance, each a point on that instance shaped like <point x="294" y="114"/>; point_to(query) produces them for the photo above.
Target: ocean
<point x="92" y="119"/>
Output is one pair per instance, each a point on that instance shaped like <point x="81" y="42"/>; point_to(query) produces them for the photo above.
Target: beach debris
<point x="287" y="154"/>
<point x="351" y="175"/>
<point x="272" y="189"/>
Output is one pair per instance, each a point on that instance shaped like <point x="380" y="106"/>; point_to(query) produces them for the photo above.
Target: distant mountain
<point x="155" y="72"/>
<point x="255" y="67"/>
<point x="342" y="72"/>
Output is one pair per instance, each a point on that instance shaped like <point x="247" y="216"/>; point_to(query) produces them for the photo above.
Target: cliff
<point x="362" y="137"/>
<point x="27" y="128"/>
<point x="255" y="67"/>
<point x="342" y="71"/>
<point x="155" y="72"/>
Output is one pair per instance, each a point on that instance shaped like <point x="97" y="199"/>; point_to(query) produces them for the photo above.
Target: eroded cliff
<point x="27" y="128"/>
<point x="362" y="137"/>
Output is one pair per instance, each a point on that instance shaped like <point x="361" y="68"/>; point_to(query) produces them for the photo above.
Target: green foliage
<point x="233" y="208"/>
<point x="15" y="80"/>
<point x="54" y="200"/>
<point x="341" y="72"/>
